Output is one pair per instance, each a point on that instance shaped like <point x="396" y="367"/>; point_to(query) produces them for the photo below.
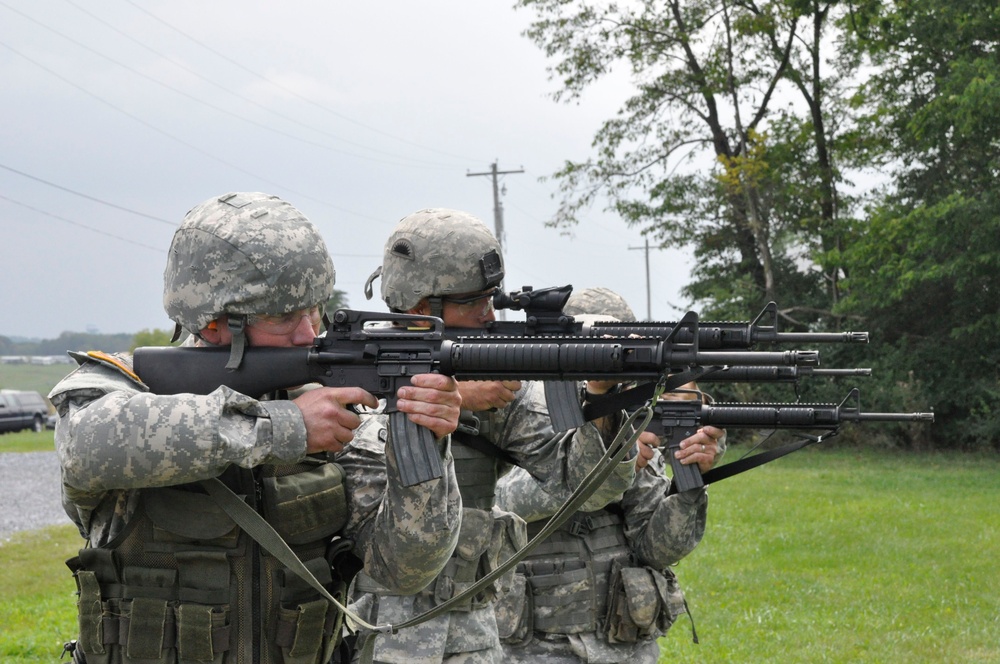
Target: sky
<point x="118" y="116"/>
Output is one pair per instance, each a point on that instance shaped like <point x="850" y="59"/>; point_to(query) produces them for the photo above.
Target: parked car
<point x="21" y="409"/>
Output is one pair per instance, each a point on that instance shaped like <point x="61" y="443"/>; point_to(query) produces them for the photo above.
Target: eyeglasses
<point x="478" y="303"/>
<point x="286" y="323"/>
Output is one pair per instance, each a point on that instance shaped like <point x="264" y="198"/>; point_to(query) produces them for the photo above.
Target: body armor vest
<point x="487" y="537"/>
<point x="183" y="583"/>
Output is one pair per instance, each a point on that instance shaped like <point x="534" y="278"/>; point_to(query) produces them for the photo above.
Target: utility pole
<point x="649" y="299"/>
<point x="497" y="205"/>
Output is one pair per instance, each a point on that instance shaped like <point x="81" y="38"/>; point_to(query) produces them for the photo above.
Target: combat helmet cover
<point x="600" y="302"/>
<point x="244" y="253"/>
<point x="437" y="252"/>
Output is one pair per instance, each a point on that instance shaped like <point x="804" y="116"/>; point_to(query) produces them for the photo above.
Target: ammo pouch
<point x="642" y="603"/>
<point x="166" y="589"/>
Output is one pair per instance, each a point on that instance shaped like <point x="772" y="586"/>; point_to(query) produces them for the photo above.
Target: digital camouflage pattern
<point x="433" y="252"/>
<point x="599" y="301"/>
<point x="244" y="253"/>
<point x="559" y="461"/>
<point x="113" y="439"/>
<point x="657" y="531"/>
<point x="632" y="541"/>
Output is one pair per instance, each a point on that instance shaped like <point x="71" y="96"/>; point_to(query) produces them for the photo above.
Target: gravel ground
<point x="29" y="497"/>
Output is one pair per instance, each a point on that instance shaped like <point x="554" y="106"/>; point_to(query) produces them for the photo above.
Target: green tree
<point x="151" y="337"/>
<point x="924" y="268"/>
<point x="725" y="145"/>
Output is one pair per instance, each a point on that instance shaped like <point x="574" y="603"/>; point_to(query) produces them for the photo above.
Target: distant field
<point x="37" y="377"/>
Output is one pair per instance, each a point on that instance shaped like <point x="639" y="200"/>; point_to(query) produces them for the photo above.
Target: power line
<point x="76" y="223"/>
<point x="288" y="90"/>
<point x="89" y="198"/>
<point x="183" y="142"/>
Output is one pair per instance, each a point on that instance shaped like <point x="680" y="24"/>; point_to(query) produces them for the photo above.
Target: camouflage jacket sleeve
<point x="405" y="535"/>
<point x="662" y="529"/>
<point x="113" y="434"/>
<point x="557" y="462"/>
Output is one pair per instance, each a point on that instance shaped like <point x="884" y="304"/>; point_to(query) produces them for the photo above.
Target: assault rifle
<point x="381" y="352"/>
<point x="543" y="312"/>
<point x="676" y="420"/>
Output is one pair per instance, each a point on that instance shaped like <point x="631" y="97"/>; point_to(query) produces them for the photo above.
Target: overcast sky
<point x="118" y="116"/>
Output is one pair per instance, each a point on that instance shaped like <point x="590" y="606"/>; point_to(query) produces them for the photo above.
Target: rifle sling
<point x="746" y="463"/>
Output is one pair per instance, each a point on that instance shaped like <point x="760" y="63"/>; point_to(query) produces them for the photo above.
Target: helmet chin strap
<point x="437" y="305"/>
<point x="237" y="328"/>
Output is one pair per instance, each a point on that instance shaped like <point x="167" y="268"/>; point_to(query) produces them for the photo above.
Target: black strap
<point x="599" y="407"/>
<point x="483" y="446"/>
<point x="746" y="463"/>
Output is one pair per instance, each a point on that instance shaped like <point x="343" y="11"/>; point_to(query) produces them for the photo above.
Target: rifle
<point x="543" y="311"/>
<point x="381" y="352"/>
<point x="676" y="420"/>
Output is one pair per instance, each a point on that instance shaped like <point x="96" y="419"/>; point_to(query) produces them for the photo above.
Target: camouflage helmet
<point x="242" y="254"/>
<point x="599" y="301"/>
<point x="437" y="252"/>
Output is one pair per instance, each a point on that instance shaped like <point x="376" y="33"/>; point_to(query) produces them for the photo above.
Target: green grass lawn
<point x="38" y="612"/>
<point x="28" y="441"/>
<point x="822" y="556"/>
<point x="841" y="556"/>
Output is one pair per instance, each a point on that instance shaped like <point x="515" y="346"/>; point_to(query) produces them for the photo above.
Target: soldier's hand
<point x="644" y="448"/>
<point x="432" y="401"/>
<point x="701" y="448"/>
<point x="330" y="423"/>
<point x="480" y="395"/>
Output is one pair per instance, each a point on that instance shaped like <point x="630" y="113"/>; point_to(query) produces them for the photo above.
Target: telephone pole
<point x="649" y="300"/>
<point x="497" y="205"/>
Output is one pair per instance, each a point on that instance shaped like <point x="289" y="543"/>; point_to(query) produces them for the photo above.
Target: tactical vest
<point x="183" y="583"/>
<point x="487" y="537"/>
<point x="584" y="579"/>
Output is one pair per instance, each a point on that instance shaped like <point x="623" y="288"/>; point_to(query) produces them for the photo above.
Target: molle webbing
<point x="476" y="473"/>
<point x="596" y="530"/>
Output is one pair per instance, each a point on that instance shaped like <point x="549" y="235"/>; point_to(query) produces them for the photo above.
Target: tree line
<point x="838" y="158"/>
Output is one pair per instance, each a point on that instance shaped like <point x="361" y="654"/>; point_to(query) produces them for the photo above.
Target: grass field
<point x="822" y="556"/>
<point x="840" y="556"/>
<point x="38" y="377"/>
<point x="27" y="441"/>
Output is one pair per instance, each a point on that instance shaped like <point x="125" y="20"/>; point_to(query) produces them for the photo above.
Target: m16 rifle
<point x="381" y="352"/>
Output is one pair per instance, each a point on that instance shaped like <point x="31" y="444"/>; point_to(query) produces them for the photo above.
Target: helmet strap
<point x="237" y="328"/>
<point x="371" y="279"/>
<point x="178" y="330"/>
<point x="437" y="305"/>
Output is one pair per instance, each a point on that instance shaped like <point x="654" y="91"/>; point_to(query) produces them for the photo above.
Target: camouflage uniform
<point x="459" y="255"/>
<point x="167" y="575"/>
<point x="599" y="589"/>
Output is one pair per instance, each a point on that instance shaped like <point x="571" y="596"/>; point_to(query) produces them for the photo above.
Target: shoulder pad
<point x="119" y="363"/>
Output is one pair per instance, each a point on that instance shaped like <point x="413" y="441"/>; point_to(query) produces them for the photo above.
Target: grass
<point x="847" y="556"/>
<point x="28" y="441"/>
<point x="823" y="556"/>
<point x="38" y="377"/>
<point x="38" y="613"/>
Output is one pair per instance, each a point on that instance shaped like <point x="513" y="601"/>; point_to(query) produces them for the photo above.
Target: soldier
<point x="167" y="575"/>
<point x="599" y="589"/>
<point x="447" y="263"/>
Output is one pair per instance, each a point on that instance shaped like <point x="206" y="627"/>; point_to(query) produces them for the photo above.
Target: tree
<point x="149" y="337"/>
<point x="726" y="145"/>
<point x="924" y="268"/>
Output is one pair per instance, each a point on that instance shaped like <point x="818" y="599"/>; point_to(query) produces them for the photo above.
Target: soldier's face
<point x="303" y="334"/>
<point x="469" y="310"/>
